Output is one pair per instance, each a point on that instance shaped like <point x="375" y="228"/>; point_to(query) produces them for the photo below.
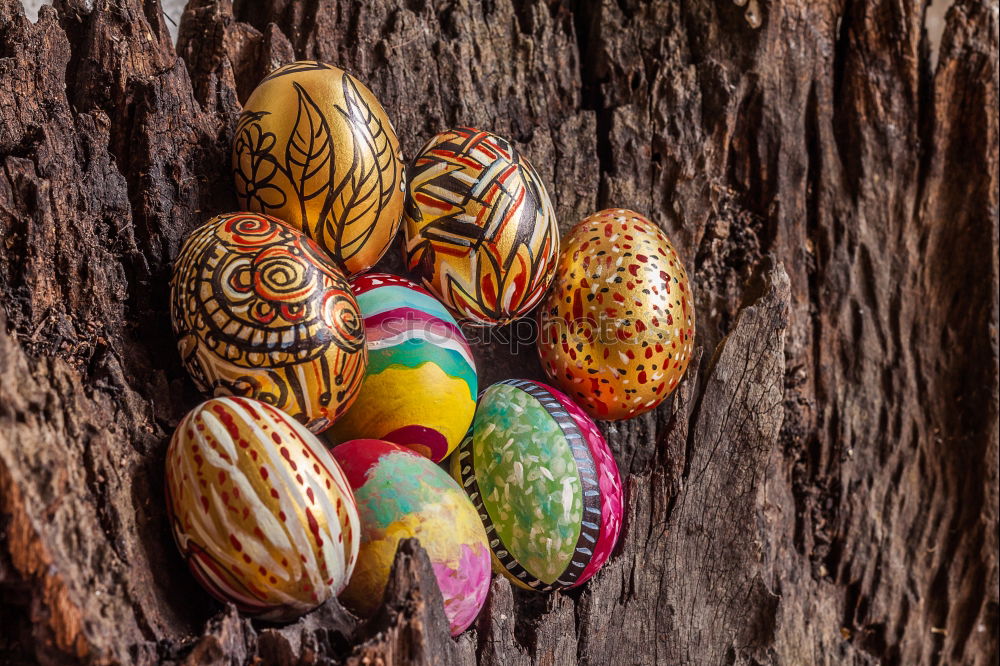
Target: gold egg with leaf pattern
<point x="315" y="149"/>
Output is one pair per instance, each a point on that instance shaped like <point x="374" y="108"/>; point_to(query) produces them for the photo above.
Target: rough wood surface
<point x="823" y="488"/>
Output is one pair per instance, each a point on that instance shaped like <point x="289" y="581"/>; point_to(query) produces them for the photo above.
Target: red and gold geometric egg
<point x="481" y="232"/>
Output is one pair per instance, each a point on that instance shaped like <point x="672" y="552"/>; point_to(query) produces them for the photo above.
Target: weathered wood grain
<point x="822" y="488"/>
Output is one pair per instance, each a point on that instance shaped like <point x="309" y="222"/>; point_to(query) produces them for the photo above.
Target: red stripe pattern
<point x="480" y="228"/>
<point x="260" y="510"/>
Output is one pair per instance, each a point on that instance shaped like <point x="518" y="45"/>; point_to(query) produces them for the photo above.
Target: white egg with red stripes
<point x="260" y="510"/>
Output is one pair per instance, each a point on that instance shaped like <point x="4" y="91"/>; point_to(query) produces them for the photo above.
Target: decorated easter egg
<point x="617" y="329"/>
<point x="544" y="482"/>
<point x="260" y="311"/>
<point x="480" y="229"/>
<point x="401" y="494"/>
<point x="314" y="148"/>
<point x="420" y="388"/>
<point x="259" y="509"/>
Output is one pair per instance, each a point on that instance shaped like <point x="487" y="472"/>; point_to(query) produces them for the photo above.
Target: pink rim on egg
<point x="607" y="479"/>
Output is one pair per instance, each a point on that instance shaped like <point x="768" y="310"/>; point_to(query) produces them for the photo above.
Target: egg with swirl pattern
<point x="260" y="311"/>
<point x="314" y="147"/>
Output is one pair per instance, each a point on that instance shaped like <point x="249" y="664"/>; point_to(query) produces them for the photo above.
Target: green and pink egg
<point x="401" y="494"/>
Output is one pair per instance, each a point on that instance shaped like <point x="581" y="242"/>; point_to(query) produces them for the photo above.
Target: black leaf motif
<point x="255" y="165"/>
<point x="309" y="158"/>
<point x="296" y="67"/>
<point x="372" y="174"/>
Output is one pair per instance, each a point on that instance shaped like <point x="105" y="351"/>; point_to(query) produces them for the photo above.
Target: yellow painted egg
<point x="617" y="329"/>
<point x="260" y="311"/>
<point x="261" y="512"/>
<point x="315" y="148"/>
<point x="480" y="229"/>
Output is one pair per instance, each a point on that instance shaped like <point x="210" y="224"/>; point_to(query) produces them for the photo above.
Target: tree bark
<point x="822" y="488"/>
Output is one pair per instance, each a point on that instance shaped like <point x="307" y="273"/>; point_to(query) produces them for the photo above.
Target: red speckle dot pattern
<point x="617" y="329"/>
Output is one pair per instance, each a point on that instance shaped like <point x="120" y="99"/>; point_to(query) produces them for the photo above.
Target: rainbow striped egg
<point x="420" y="387"/>
<point x="544" y="482"/>
<point x="262" y="513"/>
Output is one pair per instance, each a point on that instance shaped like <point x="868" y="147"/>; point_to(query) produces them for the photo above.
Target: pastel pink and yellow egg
<point x="402" y="494"/>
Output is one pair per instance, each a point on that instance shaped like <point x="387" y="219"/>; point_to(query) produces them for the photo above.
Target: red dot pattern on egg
<point x="259" y="509"/>
<point x="617" y="329"/>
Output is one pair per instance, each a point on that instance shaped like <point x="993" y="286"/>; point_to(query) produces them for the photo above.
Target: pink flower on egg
<point x="464" y="589"/>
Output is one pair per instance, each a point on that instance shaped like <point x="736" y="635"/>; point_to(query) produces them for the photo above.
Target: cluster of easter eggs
<point x="340" y="396"/>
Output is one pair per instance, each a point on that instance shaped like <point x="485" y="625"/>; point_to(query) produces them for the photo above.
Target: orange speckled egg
<point x="259" y="508"/>
<point x="617" y="329"/>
